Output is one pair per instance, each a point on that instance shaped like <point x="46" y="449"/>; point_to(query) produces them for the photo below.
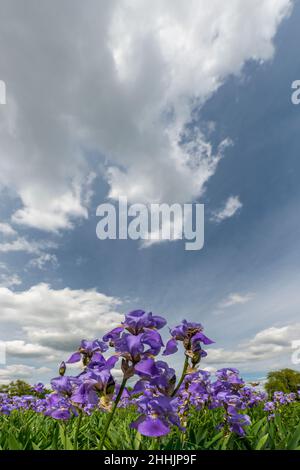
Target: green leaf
<point x="262" y="441"/>
<point x="35" y="446"/>
<point x="256" y="427"/>
<point x="294" y="439"/>
<point x="65" y="440"/>
<point x="214" y="439"/>
<point x="225" y="442"/>
<point x="13" y="444"/>
<point x="137" y="441"/>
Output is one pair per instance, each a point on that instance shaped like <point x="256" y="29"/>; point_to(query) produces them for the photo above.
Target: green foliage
<point x="19" y="388"/>
<point x="284" y="380"/>
<point x="27" y="430"/>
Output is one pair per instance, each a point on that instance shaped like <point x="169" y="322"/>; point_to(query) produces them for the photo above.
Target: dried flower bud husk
<point x="105" y="403"/>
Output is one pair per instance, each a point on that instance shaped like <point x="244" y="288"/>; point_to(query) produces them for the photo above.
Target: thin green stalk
<point x="78" y="426"/>
<point x="111" y="415"/>
<point x="65" y="436"/>
<point x="185" y="366"/>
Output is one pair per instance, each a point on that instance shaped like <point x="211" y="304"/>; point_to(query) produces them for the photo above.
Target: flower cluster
<point x="279" y="400"/>
<point x="161" y="400"/>
<point x="191" y="335"/>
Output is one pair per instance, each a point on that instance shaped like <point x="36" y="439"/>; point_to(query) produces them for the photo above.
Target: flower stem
<point x="185" y="366"/>
<point x="111" y="415"/>
<point x="65" y="436"/>
<point x="78" y="425"/>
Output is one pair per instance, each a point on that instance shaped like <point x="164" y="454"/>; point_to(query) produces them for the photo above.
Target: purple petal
<point x="61" y="414"/>
<point x="159" y="322"/>
<point x="76" y="357"/>
<point x="171" y="347"/>
<point x="111" y="361"/>
<point x="147" y="368"/>
<point x="153" y="427"/>
<point x="113" y="334"/>
<point x="201" y="337"/>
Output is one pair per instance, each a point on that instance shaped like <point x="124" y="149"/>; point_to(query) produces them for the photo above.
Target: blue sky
<point x="77" y="131"/>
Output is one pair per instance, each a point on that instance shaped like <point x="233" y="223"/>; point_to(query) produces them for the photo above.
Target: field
<point x="29" y="431"/>
<point x="149" y="408"/>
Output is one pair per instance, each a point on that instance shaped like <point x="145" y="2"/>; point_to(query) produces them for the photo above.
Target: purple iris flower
<point x="39" y="388"/>
<point x="160" y="405"/>
<point x="113" y="335"/>
<point x="5" y="409"/>
<point x="151" y="426"/>
<point x="155" y="374"/>
<point x="85" y="393"/>
<point x="198" y="386"/>
<point x="135" y="347"/>
<point x="192" y="337"/>
<point x="152" y="339"/>
<point x="158" y="415"/>
<point x="130" y="346"/>
<point x="61" y="414"/>
<point x="136" y="339"/>
<point x="229" y="375"/>
<point x="135" y="322"/>
<point x="252" y="397"/>
<point x="147" y="368"/>
<point x="59" y="407"/>
<point x="88" y="350"/>
<point x="237" y="421"/>
<point x="64" y="384"/>
<point x="269" y="406"/>
<point x="95" y="383"/>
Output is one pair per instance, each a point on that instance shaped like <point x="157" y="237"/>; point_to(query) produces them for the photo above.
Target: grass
<point x="28" y="430"/>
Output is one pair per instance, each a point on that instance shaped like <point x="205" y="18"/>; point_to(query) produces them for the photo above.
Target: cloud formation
<point x="6" y="229"/>
<point x="9" y="280"/>
<point x="56" y="319"/>
<point x="122" y="79"/>
<point x="28" y="246"/>
<point x="44" y="261"/>
<point x="231" y="206"/>
<point x="235" y="299"/>
<point x="20" y="371"/>
<point x="267" y="349"/>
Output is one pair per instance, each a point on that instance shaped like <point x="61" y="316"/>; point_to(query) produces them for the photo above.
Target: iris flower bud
<point x="62" y="368"/>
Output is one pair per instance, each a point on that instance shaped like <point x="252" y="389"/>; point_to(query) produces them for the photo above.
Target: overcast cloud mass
<point x="159" y="101"/>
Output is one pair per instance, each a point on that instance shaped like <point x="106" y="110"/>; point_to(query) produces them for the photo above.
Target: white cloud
<point x="57" y="213"/>
<point x="277" y="336"/>
<point x="44" y="261"/>
<point x="58" y="319"/>
<point x="20" y="371"/>
<point x="28" y="246"/>
<point x="7" y="278"/>
<point x="235" y="299"/>
<point x="19" y="348"/>
<point x="122" y="78"/>
<point x="7" y="229"/>
<point x="267" y="349"/>
<point x="10" y="280"/>
<point x="231" y="206"/>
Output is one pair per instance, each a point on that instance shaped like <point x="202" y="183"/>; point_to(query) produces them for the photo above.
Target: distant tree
<point x="19" y="387"/>
<point x="284" y="380"/>
<point x="4" y="388"/>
